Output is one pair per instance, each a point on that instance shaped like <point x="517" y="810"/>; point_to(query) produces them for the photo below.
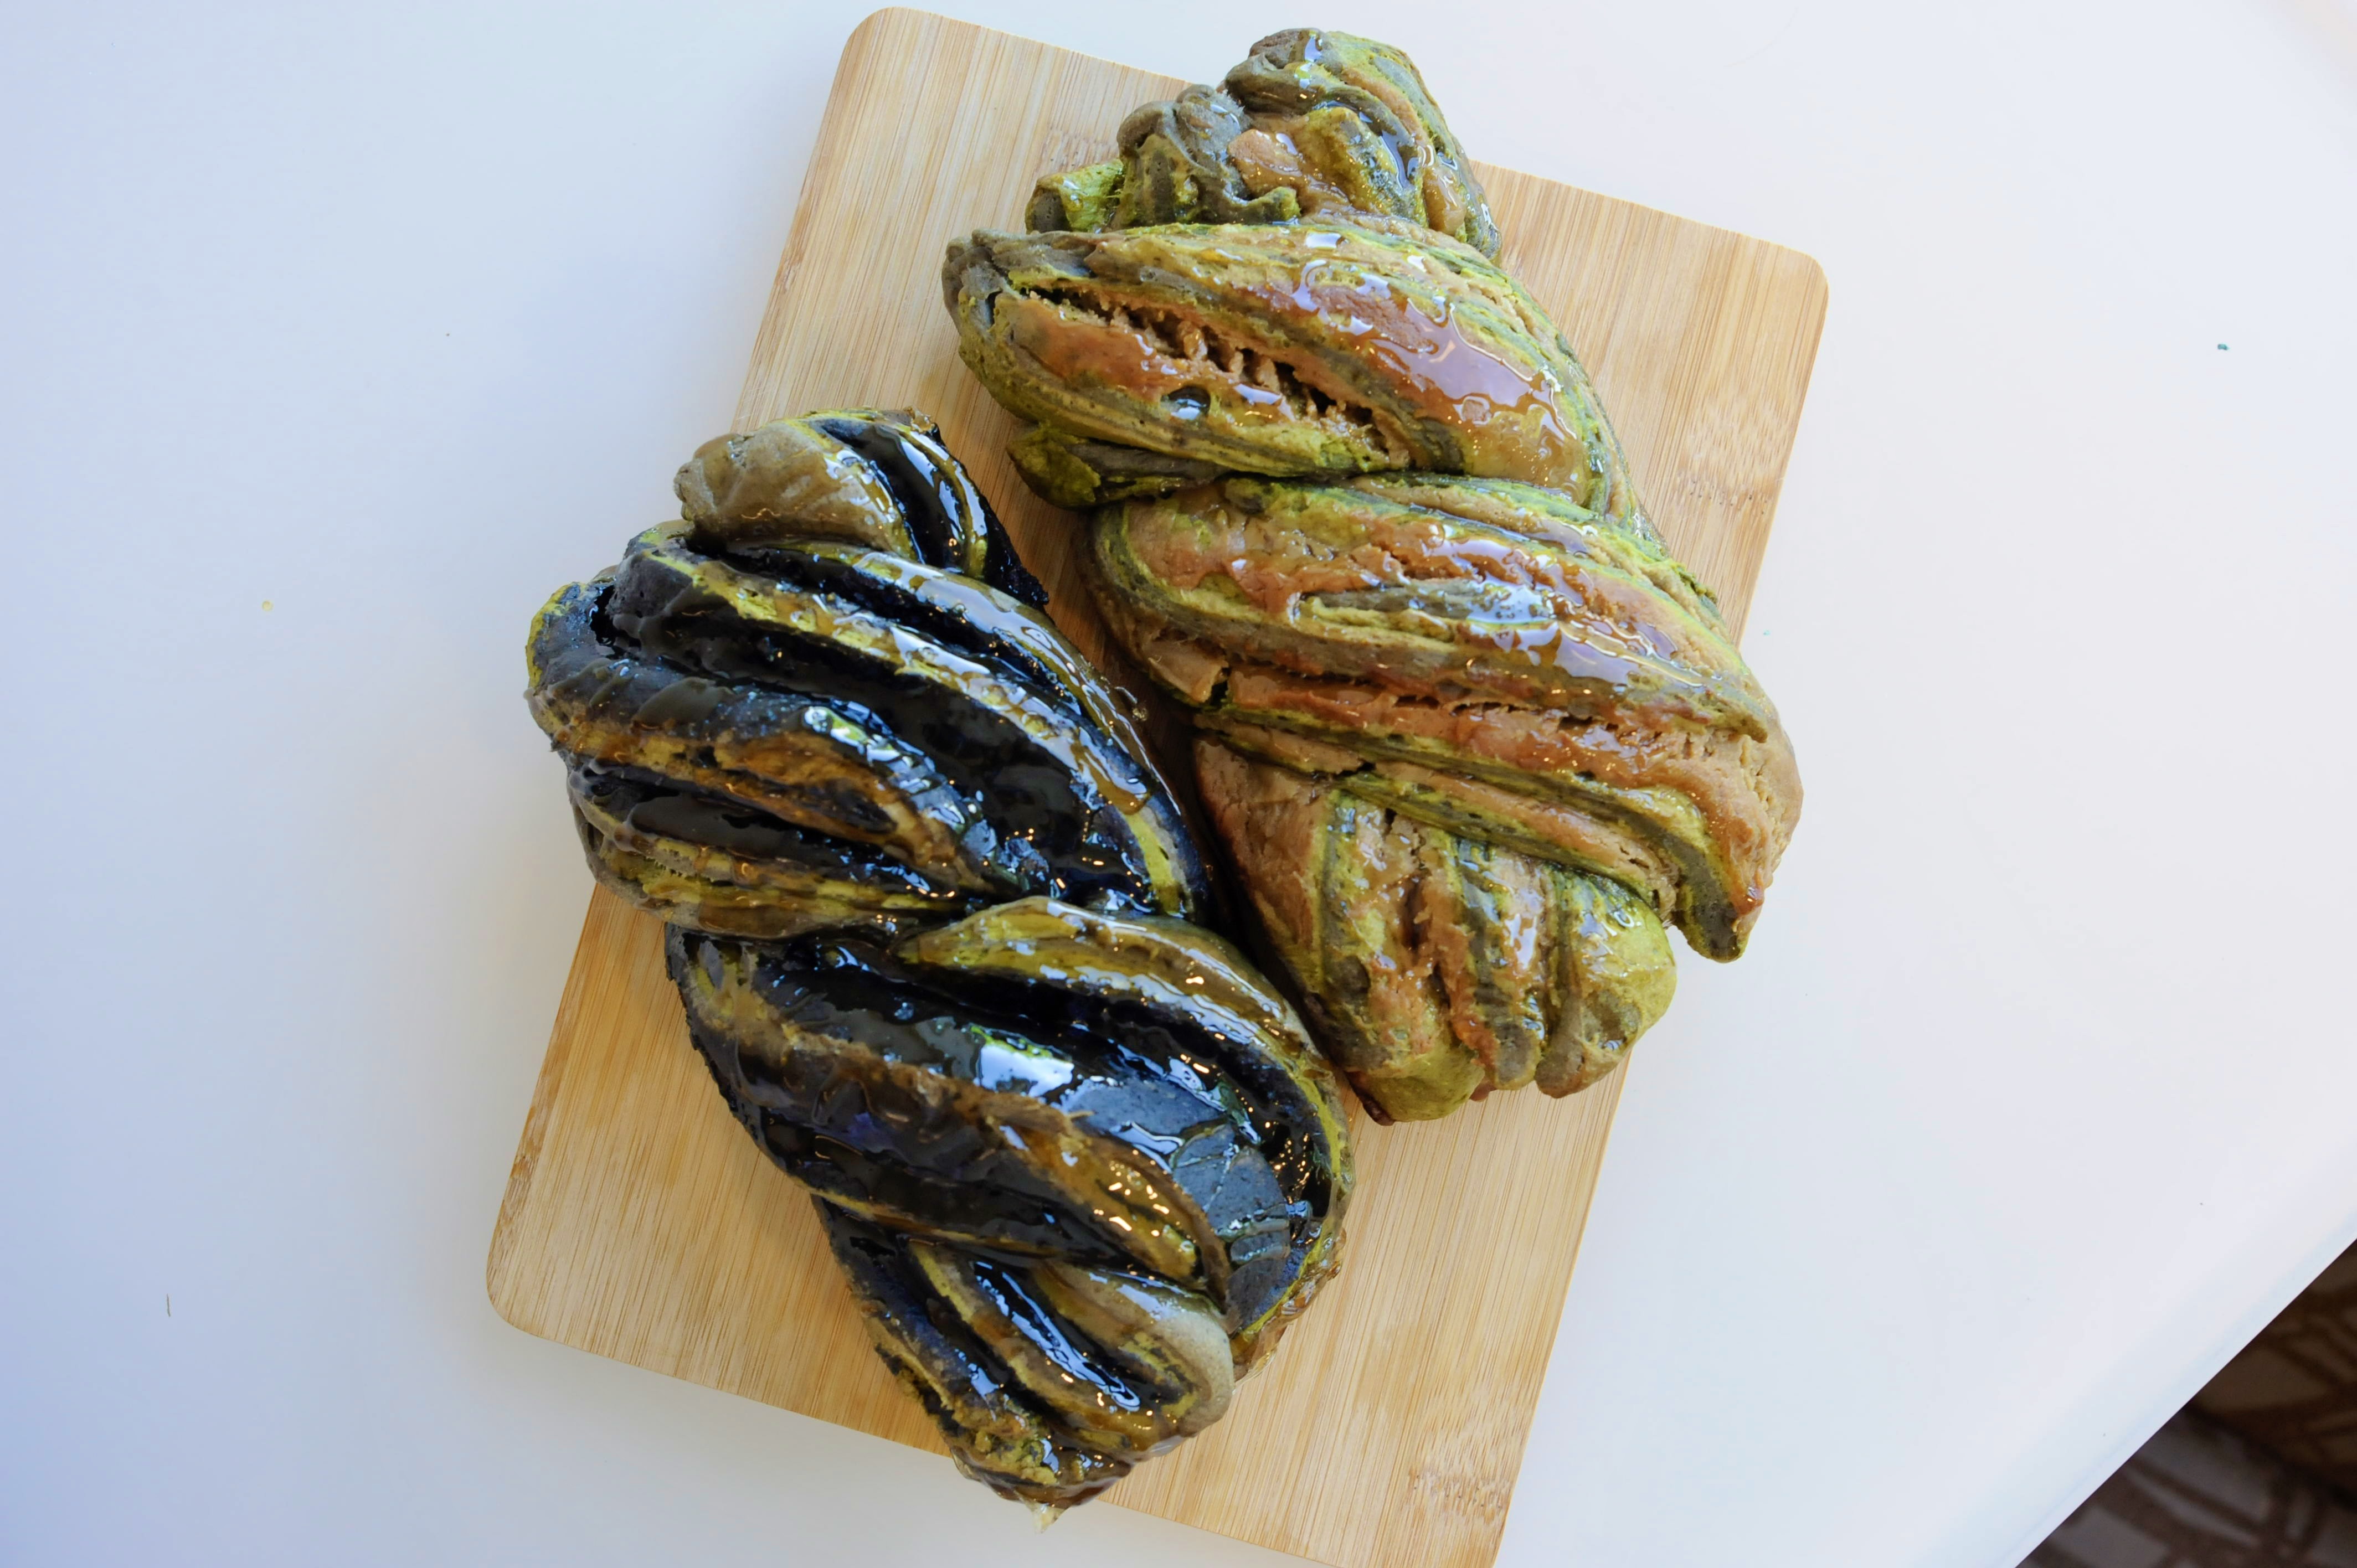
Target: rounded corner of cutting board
<point x="500" y="1286"/>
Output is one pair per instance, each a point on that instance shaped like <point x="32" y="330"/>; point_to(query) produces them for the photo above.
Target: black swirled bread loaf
<point x="929" y="913"/>
<point x="1471" y="736"/>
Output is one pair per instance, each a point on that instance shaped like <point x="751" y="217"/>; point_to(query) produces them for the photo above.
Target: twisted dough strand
<point x="1470" y="734"/>
<point x="1079" y="1164"/>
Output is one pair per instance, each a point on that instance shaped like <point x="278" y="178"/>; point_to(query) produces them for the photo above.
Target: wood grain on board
<point x="641" y="1222"/>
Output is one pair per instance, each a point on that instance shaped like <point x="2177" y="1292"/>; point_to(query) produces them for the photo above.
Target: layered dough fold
<point x="1081" y="1170"/>
<point x="1481" y="656"/>
<point x="1436" y="966"/>
<point x="1322" y="348"/>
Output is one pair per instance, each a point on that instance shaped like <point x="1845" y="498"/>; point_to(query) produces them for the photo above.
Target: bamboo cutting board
<point x="642" y="1223"/>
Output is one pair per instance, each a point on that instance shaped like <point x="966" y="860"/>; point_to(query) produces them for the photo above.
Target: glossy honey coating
<point x="776" y="726"/>
<point x="1287" y="349"/>
<point x="1081" y="1170"/>
<point x="1481" y="656"/>
<point x="1357" y="503"/>
<point x="871" y="476"/>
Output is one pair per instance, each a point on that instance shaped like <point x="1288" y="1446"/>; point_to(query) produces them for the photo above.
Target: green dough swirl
<point x="1471" y="736"/>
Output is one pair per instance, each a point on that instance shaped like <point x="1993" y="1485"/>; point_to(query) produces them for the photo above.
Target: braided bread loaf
<point x="1470" y="735"/>
<point x="927" y="900"/>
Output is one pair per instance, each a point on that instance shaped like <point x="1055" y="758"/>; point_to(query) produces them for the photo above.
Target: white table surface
<point x="333" y="337"/>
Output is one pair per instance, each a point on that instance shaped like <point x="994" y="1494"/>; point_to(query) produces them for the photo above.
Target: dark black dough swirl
<point x="1080" y="1169"/>
<point x="927" y="902"/>
<point x="780" y="718"/>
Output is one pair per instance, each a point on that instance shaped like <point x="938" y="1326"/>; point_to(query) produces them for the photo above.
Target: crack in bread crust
<point x="1429" y="355"/>
<point x="1259" y="375"/>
